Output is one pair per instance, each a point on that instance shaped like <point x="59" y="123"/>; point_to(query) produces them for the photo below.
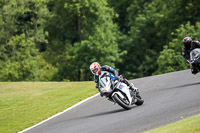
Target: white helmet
<point x="95" y="68"/>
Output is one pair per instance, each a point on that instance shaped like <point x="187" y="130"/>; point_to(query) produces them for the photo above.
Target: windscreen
<point x="194" y="54"/>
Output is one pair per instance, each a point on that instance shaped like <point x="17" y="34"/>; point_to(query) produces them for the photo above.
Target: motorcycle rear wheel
<point x="139" y="100"/>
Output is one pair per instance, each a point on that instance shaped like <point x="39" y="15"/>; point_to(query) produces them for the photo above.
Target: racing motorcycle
<point x="195" y="58"/>
<point x="118" y="92"/>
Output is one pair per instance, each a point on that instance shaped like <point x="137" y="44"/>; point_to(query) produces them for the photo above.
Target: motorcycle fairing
<point x="125" y="89"/>
<point x="105" y="82"/>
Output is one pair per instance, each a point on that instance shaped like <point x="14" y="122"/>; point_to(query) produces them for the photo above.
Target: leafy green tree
<point x="120" y="7"/>
<point x="150" y="30"/>
<point x="21" y="61"/>
<point x="22" y="35"/>
<point x="58" y="40"/>
<point x="88" y="34"/>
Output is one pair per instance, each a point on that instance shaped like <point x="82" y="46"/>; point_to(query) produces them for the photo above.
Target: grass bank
<point x="189" y="125"/>
<point x="23" y="104"/>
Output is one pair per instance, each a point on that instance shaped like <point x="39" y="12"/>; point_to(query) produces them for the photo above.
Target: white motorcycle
<point x="118" y="92"/>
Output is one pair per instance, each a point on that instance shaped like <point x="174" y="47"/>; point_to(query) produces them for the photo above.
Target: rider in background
<point x="96" y="70"/>
<point x="189" y="45"/>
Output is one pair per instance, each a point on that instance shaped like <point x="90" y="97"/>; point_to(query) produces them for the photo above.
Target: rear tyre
<point x="139" y="100"/>
<point x="121" y="102"/>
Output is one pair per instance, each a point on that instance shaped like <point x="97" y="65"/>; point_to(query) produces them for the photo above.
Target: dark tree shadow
<point x="186" y="85"/>
<point x="180" y="86"/>
<point x="101" y="114"/>
<point x="105" y="113"/>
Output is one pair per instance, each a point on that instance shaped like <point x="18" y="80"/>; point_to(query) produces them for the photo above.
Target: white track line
<point x="59" y="113"/>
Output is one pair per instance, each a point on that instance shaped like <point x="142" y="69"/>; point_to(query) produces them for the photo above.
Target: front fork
<point x="133" y="95"/>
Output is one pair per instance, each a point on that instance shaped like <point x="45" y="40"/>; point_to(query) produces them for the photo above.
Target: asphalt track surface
<point x="168" y="97"/>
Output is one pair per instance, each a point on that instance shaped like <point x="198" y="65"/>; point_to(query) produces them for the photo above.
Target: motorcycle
<point x="195" y="59"/>
<point x="118" y="92"/>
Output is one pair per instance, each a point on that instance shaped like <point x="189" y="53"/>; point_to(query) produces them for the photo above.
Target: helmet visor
<point x="95" y="70"/>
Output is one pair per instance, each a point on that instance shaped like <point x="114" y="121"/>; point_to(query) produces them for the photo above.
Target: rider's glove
<point x="117" y="78"/>
<point x="183" y="53"/>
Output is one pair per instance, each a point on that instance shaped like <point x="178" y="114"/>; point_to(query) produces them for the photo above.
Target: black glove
<point x="117" y="78"/>
<point x="183" y="53"/>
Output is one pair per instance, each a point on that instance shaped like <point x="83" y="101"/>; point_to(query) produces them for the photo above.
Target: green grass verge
<point x="189" y="125"/>
<point x="23" y="104"/>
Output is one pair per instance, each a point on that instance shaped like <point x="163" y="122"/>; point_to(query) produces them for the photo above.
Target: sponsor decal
<point x="121" y="87"/>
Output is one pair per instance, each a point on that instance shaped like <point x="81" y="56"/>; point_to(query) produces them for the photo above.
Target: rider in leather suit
<point x="189" y="45"/>
<point x="96" y="70"/>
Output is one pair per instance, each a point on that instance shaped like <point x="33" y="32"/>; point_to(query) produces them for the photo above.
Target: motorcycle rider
<point x="96" y="70"/>
<point x="189" y="45"/>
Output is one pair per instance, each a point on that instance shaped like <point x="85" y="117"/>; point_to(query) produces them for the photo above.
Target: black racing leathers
<point x="186" y="54"/>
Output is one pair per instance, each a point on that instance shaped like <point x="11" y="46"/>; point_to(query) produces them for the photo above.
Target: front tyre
<point x="121" y="102"/>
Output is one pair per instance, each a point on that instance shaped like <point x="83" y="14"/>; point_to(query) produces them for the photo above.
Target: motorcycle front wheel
<point x="121" y="101"/>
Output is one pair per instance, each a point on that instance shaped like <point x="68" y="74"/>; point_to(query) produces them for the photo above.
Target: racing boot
<point x="132" y="87"/>
<point x="135" y="89"/>
<point x="194" y="70"/>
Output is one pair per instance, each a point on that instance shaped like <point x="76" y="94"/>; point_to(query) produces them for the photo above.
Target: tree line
<point x="57" y="40"/>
